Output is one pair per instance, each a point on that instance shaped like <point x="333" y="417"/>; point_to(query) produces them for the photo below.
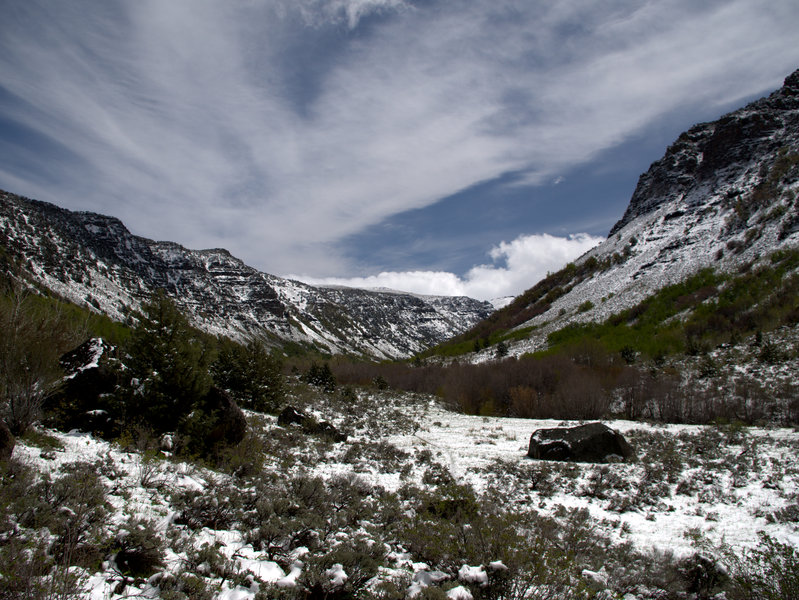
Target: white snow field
<point x="691" y="488"/>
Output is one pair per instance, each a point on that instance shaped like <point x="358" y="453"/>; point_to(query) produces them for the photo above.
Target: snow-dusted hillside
<point x="94" y="260"/>
<point x="724" y="194"/>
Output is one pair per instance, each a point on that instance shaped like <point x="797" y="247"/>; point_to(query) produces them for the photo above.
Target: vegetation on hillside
<point x="651" y="361"/>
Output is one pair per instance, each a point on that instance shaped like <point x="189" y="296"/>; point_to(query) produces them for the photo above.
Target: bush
<point x="251" y="374"/>
<point x="769" y="572"/>
<point x="140" y="549"/>
<point x="34" y="335"/>
<point x="168" y="364"/>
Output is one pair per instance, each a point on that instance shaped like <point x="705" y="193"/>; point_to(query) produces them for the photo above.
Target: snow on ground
<point x="733" y="487"/>
<point x="467" y="445"/>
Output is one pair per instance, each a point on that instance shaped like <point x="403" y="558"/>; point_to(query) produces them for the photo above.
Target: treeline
<point x="585" y="381"/>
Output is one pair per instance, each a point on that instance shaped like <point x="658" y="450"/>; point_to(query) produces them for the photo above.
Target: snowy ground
<point x="724" y="510"/>
<point x="692" y="487"/>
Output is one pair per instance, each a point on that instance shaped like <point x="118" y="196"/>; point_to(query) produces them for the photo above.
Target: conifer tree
<point x="169" y="365"/>
<point x="251" y="374"/>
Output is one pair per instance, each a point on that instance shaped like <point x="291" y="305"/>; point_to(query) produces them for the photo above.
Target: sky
<point x="434" y="146"/>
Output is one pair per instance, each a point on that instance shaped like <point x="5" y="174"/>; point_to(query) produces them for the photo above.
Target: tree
<point x="321" y="376"/>
<point x="169" y="365"/>
<point x="35" y="332"/>
<point x="250" y="374"/>
<point x="502" y="349"/>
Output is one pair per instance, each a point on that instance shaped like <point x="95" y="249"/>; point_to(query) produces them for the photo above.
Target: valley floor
<point x="691" y="489"/>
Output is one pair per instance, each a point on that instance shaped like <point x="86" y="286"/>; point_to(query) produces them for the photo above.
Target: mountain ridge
<point x="723" y="195"/>
<point x="95" y="260"/>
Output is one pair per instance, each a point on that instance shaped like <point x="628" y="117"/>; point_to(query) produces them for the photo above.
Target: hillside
<point x="724" y="196"/>
<point x="93" y="260"/>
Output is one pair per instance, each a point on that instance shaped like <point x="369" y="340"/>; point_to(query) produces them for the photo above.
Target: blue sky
<point x="454" y="147"/>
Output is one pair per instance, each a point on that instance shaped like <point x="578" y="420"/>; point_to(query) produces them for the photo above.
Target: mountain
<point x="94" y="260"/>
<point x="724" y="195"/>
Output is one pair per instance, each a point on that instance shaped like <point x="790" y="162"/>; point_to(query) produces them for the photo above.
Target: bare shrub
<point x="35" y="334"/>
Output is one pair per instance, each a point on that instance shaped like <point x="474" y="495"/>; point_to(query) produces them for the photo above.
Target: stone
<point x="7" y="442"/>
<point x="293" y="416"/>
<point x="84" y="400"/>
<point x="593" y="442"/>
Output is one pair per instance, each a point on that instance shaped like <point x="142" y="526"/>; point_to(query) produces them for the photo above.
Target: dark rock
<point x="293" y="416"/>
<point x="714" y="155"/>
<point x="594" y="442"/>
<point x="84" y="401"/>
<point x="328" y="430"/>
<point x="7" y="442"/>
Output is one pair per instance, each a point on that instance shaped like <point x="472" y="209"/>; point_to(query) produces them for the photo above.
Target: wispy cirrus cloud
<point x="278" y="129"/>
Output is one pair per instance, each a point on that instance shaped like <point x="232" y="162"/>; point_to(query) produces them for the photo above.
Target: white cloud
<point x="517" y="266"/>
<point x="266" y="129"/>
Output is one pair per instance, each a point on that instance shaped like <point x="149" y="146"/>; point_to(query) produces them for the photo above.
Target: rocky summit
<point x="95" y="261"/>
<point x="723" y="195"/>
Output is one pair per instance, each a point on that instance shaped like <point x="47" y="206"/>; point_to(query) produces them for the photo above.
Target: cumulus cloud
<point x="278" y="129"/>
<point x="515" y="267"/>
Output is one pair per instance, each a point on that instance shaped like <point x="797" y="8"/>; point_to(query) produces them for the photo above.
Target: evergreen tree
<point x="169" y="365"/>
<point x="321" y="376"/>
<point x="251" y="374"/>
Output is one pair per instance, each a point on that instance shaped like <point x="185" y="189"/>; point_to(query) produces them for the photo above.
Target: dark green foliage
<point x="250" y="373"/>
<point x="321" y="376"/>
<point x="769" y="572"/>
<point x="71" y="507"/>
<point x="452" y="527"/>
<point x="169" y="365"/>
<point x="360" y="562"/>
<point x="502" y="349"/>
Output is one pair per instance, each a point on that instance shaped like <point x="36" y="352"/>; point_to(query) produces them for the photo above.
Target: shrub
<point x="251" y="374"/>
<point x="140" y="548"/>
<point x="321" y="376"/>
<point x="168" y="366"/>
<point x="768" y="572"/>
<point x="35" y="334"/>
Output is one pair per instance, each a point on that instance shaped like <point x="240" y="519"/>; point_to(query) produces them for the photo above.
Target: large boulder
<point x="593" y="442"/>
<point x="7" y="442"/>
<point x="84" y="400"/>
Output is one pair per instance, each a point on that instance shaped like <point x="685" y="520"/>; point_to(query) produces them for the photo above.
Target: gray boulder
<point x="593" y="442"/>
<point x="7" y="442"/>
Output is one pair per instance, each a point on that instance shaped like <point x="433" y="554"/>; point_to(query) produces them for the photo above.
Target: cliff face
<point x="94" y="260"/>
<point x="714" y="155"/>
<point x="725" y="194"/>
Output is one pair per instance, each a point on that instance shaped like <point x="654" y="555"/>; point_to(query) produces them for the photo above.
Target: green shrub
<point x="768" y="572"/>
<point x="251" y="374"/>
<point x="168" y="366"/>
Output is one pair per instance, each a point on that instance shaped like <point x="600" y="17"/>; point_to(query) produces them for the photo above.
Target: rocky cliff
<point x="723" y="195"/>
<point x="94" y="260"/>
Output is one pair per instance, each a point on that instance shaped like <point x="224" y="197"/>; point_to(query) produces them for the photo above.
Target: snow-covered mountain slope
<point x="724" y="194"/>
<point x="94" y="260"/>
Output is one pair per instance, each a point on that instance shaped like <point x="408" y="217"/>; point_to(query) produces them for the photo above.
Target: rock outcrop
<point x="94" y="260"/>
<point x="593" y="442"/>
